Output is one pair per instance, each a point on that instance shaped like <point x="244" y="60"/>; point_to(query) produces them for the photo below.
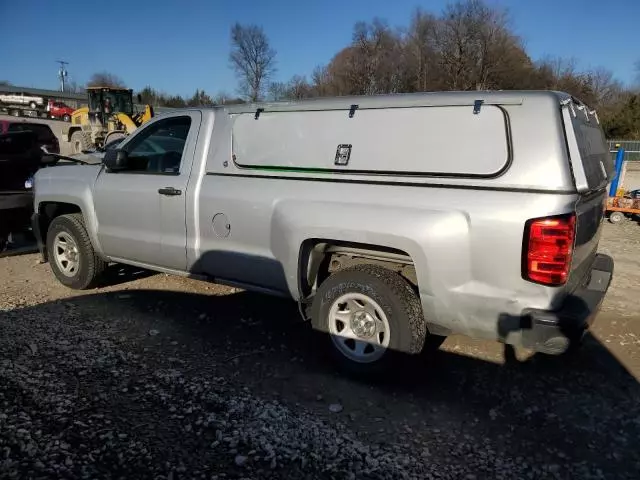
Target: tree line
<point x="156" y="98"/>
<point x="470" y="45"/>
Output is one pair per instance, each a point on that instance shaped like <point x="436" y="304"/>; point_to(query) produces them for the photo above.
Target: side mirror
<point x="139" y="98"/>
<point x="115" y="160"/>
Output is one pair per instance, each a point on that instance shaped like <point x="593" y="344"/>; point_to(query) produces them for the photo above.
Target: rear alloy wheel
<point x="359" y="328"/>
<point x="71" y="255"/>
<point x="616" y="217"/>
<point x="372" y="316"/>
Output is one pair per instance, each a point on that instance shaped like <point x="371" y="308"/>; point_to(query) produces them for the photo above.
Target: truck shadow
<point x="117" y="274"/>
<point x="559" y="410"/>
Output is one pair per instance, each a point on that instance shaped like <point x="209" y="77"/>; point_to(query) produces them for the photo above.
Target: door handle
<point x="170" y="191"/>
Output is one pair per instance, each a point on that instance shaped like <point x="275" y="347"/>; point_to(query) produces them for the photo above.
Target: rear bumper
<point x="553" y="331"/>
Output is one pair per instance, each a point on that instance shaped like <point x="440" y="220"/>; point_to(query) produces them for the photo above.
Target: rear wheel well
<point x="319" y="258"/>
<point x="47" y="211"/>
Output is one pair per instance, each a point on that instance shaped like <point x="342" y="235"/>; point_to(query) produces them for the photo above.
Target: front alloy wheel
<point x="65" y="254"/>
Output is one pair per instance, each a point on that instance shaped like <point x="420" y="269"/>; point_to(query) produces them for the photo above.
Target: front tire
<point x="73" y="260"/>
<point x="616" y="217"/>
<point x="372" y="316"/>
<point x="80" y="142"/>
<point x="66" y="118"/>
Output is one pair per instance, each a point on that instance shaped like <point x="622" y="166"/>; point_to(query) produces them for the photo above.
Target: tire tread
<point x="398" y="295"/>
<point x="411" y="302"/>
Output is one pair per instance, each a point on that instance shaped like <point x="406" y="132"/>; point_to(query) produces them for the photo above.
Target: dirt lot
<point x="166" y="378"/>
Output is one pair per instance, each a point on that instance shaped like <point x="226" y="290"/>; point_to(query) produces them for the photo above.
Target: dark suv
<point x="44" y="133"/>
<point x="20" y="158"/>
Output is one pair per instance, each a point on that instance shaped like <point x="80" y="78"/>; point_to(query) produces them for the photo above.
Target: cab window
<point x="159" y="148"/>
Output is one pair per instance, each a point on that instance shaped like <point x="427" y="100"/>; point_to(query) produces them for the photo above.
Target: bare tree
<point x="555" y="69"/>
<point x="377" y="59"/>
<point x="105" y="79"/>
<point x="373" y="63"/>
<point x="295" y="89"/>
<point x="557" y="73"/>
<point x="277" y="91"/>
<point x="252" y="59"/>
<point x="321" y="82"/>
<point x="298" y="88"/>
<point x="422" y="67"/>
<point x="606" y="90"/>
<point x="472" y="39"/>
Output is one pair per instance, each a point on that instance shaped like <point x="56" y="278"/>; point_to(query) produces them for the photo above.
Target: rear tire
<point x="373" y="319"/>
<point x="616" y="217"/>
<point x="73" y="260"/>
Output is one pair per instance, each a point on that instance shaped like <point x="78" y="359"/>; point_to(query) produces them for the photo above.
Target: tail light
<point x="549" y="247"/>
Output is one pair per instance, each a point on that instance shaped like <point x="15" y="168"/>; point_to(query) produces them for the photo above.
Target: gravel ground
<point x="166" y="378"/>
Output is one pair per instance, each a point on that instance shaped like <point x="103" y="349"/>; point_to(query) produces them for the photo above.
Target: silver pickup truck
<point x="392" y="220"/>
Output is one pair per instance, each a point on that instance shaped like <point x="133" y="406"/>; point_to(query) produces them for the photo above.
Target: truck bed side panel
<point x="463" y="283"/>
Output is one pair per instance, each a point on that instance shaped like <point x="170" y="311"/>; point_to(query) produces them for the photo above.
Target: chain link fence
<point x="631" y="149"/>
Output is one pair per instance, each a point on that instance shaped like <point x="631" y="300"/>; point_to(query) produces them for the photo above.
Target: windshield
<point x="110" y="101"/>
<point x="121" y="101"/>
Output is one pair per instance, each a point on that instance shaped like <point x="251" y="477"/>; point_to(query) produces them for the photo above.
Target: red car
<point x="46" y="137"/>
<point x="59" y="110"/>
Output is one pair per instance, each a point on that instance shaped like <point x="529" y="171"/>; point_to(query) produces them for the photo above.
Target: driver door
<point x="141" y="211"/>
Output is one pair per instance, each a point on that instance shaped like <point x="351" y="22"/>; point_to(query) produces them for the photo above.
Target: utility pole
<point x="62" y="73"/>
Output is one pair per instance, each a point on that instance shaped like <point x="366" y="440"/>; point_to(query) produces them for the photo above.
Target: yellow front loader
<point x="110" y="115"/>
